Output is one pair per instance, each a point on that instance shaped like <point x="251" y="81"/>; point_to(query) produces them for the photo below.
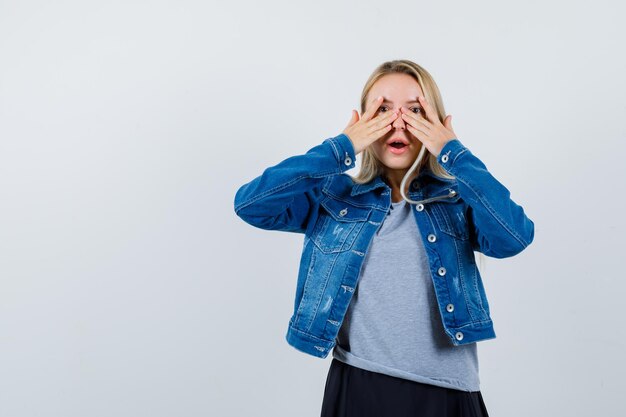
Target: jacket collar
<point x="378" y="182"/>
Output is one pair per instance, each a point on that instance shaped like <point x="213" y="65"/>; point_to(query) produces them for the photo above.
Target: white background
<point x="128" y="286"/>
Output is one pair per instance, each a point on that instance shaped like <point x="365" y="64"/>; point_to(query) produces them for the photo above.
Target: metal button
<point x="452" y="192"/>
<point x="432" y="238"/>
<point x="459" y="336"/>
<point x="347" y="160"/>
<point x="441" y="271"/>
<point x="450" y="308"/>
<point x="444" y="158"/>
<point x="415" y="185"/>
<point x="343" y="212"/>
<point x="419" y="207"/>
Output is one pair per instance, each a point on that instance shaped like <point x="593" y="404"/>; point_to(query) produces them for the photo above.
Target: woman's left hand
<point x="427" y="128"/>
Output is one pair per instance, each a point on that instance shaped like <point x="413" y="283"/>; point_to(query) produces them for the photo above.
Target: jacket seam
<point x="463" y="286"/>
<point x="490" y="209"/>
<point x="305" y="290"/>
<point x="254" y="199"/>
<point x="459" y="154"/>
<point x="475" y="281"/>
<point x="472" y="323"/>
<point x="337" y="154"/>
<point x="307" y="334"/>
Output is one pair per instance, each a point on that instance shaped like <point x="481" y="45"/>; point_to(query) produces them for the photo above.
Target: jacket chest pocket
<point x="338" y="225"/>
<point x="450" y="217"/>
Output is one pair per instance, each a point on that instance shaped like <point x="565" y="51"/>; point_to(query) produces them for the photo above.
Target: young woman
<point x="388" y="279"/>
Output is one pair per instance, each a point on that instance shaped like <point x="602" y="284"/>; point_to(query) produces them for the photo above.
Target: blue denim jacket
<point x="311" y="194"/>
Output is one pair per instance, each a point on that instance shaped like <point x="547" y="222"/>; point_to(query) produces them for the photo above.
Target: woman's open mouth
<point x="397" y="148"/>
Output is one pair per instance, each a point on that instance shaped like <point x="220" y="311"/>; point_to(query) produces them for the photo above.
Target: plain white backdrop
<point x="128" y="286"/>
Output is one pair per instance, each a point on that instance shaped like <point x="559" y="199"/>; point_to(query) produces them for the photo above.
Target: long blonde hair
<point x="370" y="165"/>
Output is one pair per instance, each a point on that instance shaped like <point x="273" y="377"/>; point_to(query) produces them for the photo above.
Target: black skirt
<point x="356" y="392"/>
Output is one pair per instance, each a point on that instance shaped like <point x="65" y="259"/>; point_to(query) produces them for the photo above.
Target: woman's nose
<point x="399" y="121"/>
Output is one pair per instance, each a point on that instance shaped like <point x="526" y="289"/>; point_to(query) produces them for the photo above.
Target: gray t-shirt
<point x="393" y="325"/>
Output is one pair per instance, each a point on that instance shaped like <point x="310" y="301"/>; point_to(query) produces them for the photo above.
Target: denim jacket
<point x="311" y="194"/>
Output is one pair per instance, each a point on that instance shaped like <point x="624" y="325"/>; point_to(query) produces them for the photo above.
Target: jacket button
<point x="432" y="238"/>
<point x="347" y="160"/>
<point x="415" y="185"/>
<point x="444" y="158"/>
<point x="343" y="212"/>
<point x="442" y="271"/>
<point x="419" y="207"/>
<point x="450" y="308"/>
<point x="459" y="336"/>
<point x="452" y="192"/>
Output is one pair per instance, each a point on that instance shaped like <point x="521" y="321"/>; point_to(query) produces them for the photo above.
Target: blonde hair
<point x="370" y="165"/>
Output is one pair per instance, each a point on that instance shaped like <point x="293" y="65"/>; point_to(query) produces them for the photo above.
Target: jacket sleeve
<point x="498" y="226"/>
<point x="285" y="195"/>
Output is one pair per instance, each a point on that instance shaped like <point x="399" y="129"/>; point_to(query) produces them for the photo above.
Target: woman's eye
<point x="415" y="110"/>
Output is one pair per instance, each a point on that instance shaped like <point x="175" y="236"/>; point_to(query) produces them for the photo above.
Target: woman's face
<point x="397" y="90"/>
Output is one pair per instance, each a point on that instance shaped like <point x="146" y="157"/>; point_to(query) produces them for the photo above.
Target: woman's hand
<point x="365" y="131"/>
<point x="428" y="129"/>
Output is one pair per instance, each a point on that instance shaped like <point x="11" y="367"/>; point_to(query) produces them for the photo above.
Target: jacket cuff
<point x="450" y="152"/>
<point x="344" y="151"/>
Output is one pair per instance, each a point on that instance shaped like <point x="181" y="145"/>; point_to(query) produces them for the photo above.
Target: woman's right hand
<point x="363" y="131"/>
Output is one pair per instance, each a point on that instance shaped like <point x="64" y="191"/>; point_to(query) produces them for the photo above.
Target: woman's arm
<point x="283" y="196"/>
<point x="498" y="226"/>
